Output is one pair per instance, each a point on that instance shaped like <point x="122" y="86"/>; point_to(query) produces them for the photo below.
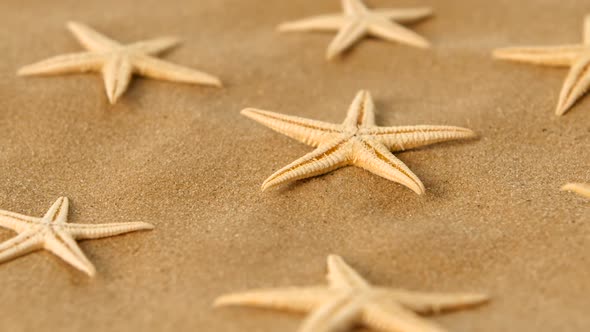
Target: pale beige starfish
<point x="576" y="56"/>
<point x="357" y="141"/>
<point x="581" y="189"/>
<point x="118" y="62"/>
<point x="358" y="21"/>
<point x="350" y="300"/>
<point x="53" y="233"/>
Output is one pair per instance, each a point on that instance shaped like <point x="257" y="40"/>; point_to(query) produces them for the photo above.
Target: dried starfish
<point x="357" y="141"/>
<point x="576" y="56"/>
<point x="359" y="21"/>
<point x="53" y="233"/>
<point x="351" y="300"/>
<point x="581" y="189"/>
<point x="118" y="62"/>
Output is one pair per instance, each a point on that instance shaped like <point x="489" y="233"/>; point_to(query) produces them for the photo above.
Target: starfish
<point x="53" y="233"/>
<point x="350" y="300"/>
<point x="357" y="141"/>
<point x="578" y="188"/>
<point x="118" y="62"/>
<point x="359" y="21"/>
<point x="576" y="56"/>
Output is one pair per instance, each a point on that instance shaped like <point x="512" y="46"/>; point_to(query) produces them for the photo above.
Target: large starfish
<point x="576" y="56"/>
<point x="53" y="233"/>
<point x="359" y="21"/>
<point x="357" y="141"/>
<point x="350" y="300"/>
<point x="118" y="62"/>
<point x="581" y="189"/>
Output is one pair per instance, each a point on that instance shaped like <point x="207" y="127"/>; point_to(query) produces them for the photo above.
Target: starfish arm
<point x="64" y="64"/>
<point x="558" y="56"/>
<point x="352" y="7"/>
<point x="377" y="159"/>
<point x="15" y="221"/>
<point x="290" y="299"/>
<point x="396" y="33"/>
<point x="341" y="275"/>
<point x="409" y="137"/>
<point x="434" y="303"/>
<point x="155" y="46"/>
<point x="58" y="212"/>
<point x="390" y="317"/>
<point x="324" y="159"/>
<point x="361" y="113"/>
<point x="65" y="247"/>
<point x="85" y="231"/>
<point x="576" y="85"/>
<point x="578" y="188"/>
<point x="117" y="74"/>
<point x="309" y="132"/>
<point x="318" y="23"/>
<point x="587" y="30"/>
<point x="348" y="35"/>
<point x="91" y="39"/>
<point x="408" y="15"/>
<point x="23" y="243"/>
<point x="161" y="70"/>
<point x="339" y="314"/>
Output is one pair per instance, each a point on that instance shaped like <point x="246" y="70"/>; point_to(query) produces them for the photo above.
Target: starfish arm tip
<point x="265" y="186"/>
<point x="570" y="187"/>
<point x="424" y="44"/>
<point x="221" y="301"/>
<point x="421" y="191"/>
<point x="331" y="55"/>
<point x="470" y="133"/>
<point x="287" y="27"/>
<point x="90" y="270"/>
<point x="216" y="82"/>
<point x="146" y="226"/>
<point x="567" y="187"/>
<point x="561" y="110"/>
<point x="23" y="72"/>
<point x="71" y="24"/>
<point x="500" y="54"/>
<point x="249" y="112"/>
<point x="284" y="27"/>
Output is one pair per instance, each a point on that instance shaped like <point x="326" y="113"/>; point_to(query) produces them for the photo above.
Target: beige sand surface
<point x="181" y="157"/>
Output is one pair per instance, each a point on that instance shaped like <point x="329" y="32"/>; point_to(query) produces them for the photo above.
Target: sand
<point x="182" y="157"/>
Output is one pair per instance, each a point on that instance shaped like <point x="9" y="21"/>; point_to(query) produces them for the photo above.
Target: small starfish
<point x="581" y="189"/>
<point x="358" y="21"/>
<point x="576" y="56"/>
<point x="118" y="62"/>
<point x="53" y="233"/>
<point x="357" y="141"/>
<point x="351" y="300"/>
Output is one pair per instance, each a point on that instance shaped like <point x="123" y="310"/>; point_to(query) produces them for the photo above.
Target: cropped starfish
<point x="357" y="141"/>
<point x="350" y="300"/>
<point x="581" y="189"/>
<point x="358" y="21"/>
<point x="53" y="233"/>
<point x="576" y="56"/>
<point x="118" y="62"/>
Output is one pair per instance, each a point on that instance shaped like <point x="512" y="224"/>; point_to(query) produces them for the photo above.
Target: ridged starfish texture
<point x="357" y="141"/>
<point x="350" y="301"/>
<point x="118" y="62"/>
<point x="358" y="21"/>
<point x="53" y="233"/>
<point x="581" y="189"/>
<point x="576" y="56"/>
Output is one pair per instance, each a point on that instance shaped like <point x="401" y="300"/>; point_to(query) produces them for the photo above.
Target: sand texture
<point x="182" y="158"/>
